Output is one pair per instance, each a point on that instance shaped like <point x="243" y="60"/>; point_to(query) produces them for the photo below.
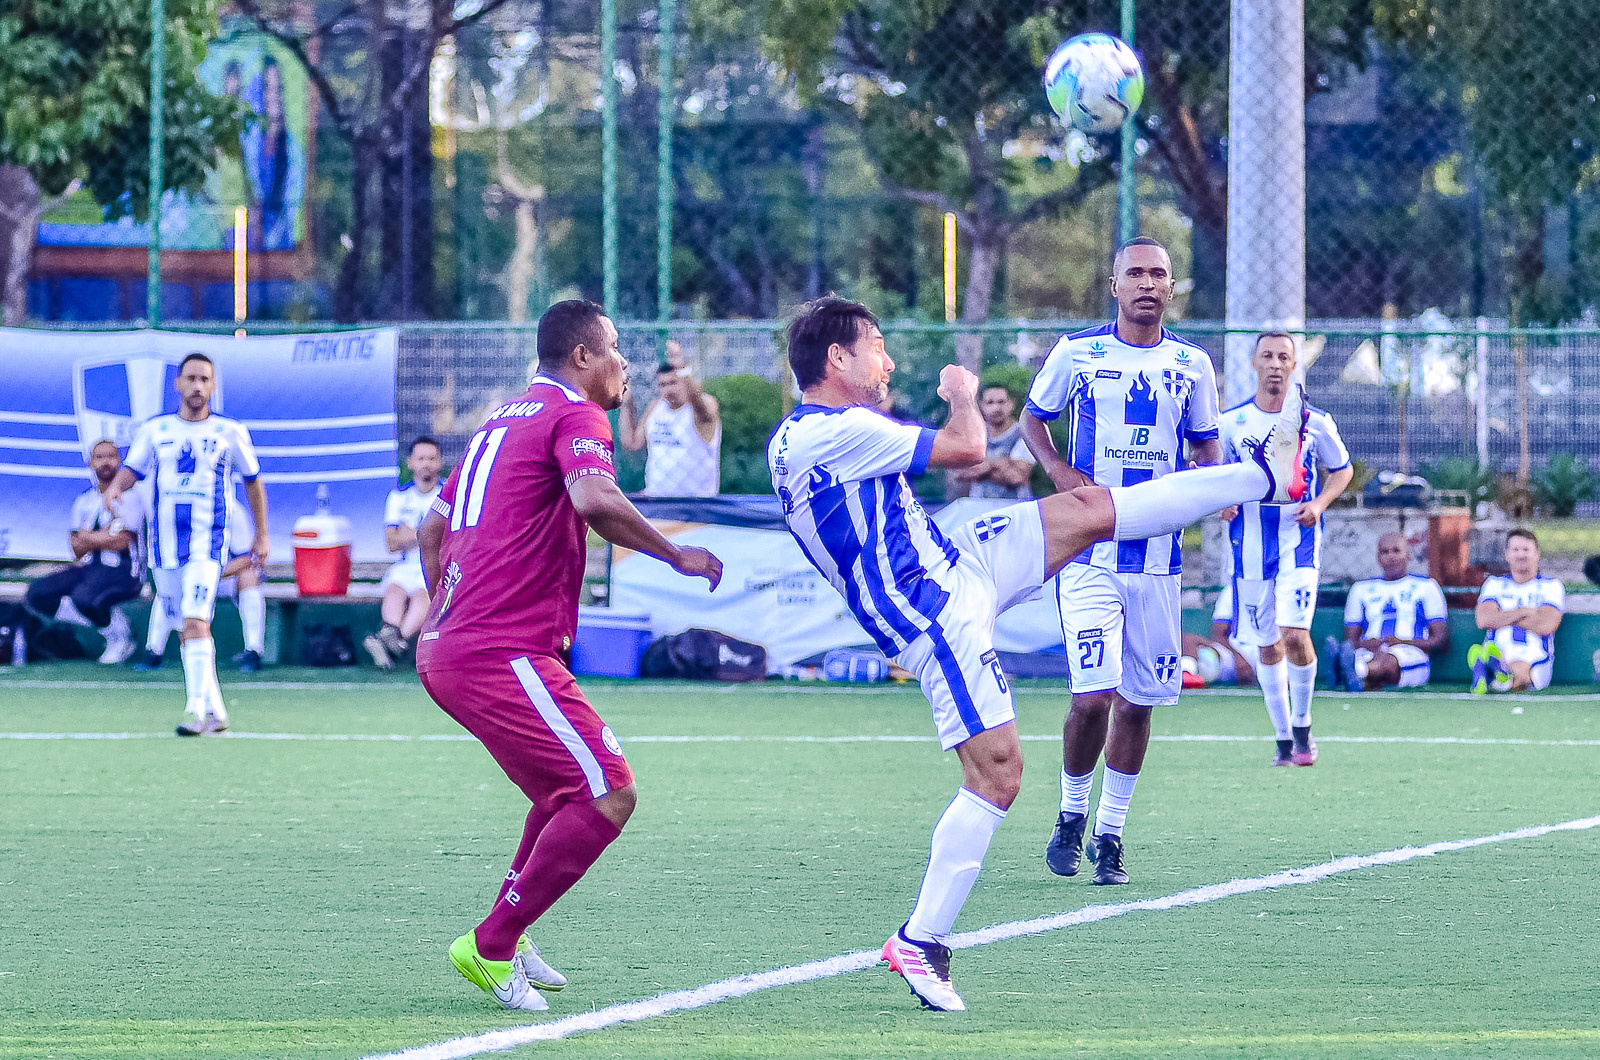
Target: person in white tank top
<point x="682" y="429"/>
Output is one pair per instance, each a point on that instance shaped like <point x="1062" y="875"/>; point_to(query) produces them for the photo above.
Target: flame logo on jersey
<point x="1143" y="408"/>
<point x="186" y="461"/>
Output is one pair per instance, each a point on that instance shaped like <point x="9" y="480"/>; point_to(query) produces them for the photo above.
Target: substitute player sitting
<point x="405" y="597"/>
<point x="1277" y="549"/>
<point x="504" y="550"/>
<point x="191" y="456"/>
<point x="1521" y="613"/>
<point x="1392" y="625"/>
<point x="839" y="466"/>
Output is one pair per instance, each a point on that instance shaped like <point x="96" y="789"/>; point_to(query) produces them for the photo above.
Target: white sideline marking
<point x="741" y="985"/>
<point x="461" y="737"/>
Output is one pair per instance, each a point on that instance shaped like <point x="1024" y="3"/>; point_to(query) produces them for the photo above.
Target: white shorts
<point x="190" y="591"/>
<point x="1001" y="563"/>
<point x="407" y="574"/>
<point x="1121" y="631"/>
<point x="1529" y="648"/>
<point x="1414" y="663"/>
<point x="1266" y="606"/>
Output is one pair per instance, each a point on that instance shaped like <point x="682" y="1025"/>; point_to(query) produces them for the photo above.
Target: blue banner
<point x="319" y="408"/>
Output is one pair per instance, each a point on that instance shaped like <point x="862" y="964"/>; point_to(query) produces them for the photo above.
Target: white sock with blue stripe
<point x="1274" y="679"/>
<point x="960" y="840"/>
<point x="1302" y="683"/>
<point x="1172" y="502"/>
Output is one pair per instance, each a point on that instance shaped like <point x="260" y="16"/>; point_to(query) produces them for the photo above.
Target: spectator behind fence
<point x="1392" y="626"/>
<point x="108" y="547"/>
<point x="405" y="593"/>
<point x="1521" y="613"/>
<point x="682" y="429"/>
<point x="1003" y="473"/>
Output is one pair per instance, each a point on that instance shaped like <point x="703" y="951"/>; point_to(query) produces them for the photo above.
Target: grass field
<point x="293" y="896"/>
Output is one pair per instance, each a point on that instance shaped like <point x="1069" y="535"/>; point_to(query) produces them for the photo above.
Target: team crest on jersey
<point x="1166" y="667"/>
<point x="1178" y="384"/>
<point x="609" y="738"/>
<point x="991" y="526"/>
<point x="1097" y="348"/>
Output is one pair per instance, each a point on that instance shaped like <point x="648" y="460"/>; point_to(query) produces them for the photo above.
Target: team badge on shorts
<point x="609" y="738"/>
<point x="991" y="526"/>
<point x="1166" y="668"/>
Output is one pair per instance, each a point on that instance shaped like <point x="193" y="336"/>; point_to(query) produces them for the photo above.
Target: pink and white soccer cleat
<point x="925" y="966"/>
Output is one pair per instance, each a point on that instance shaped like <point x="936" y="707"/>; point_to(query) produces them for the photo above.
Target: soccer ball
<point x="1094" y="81"/>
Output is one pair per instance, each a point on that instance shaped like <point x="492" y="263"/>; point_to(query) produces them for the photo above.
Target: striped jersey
<point x="1265" y="536"/>
<point x="1538" y="591"/>
<point x="841" y="475"/>
<point x="1403" y="608"/>
<point x="1129" y="410"/>
<point x="190" y="465"/>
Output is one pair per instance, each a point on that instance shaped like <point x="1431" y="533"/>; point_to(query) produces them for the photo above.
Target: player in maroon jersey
<point x="503" y="550"/>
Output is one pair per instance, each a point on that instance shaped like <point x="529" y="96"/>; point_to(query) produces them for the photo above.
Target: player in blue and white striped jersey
<point x="1277" y="548"/>
<point x="930" y="600"/>
<point x="1132" y="394"/>
<point x="1392" y="625"/>
<point x="1520" y="611"/>
<point x="189" y="458"/>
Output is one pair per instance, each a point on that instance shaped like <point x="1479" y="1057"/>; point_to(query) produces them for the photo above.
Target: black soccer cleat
<point x="1065" y="849"/>
<point x="1106" y="853"/>
<point x="248" y="661"/>
<point x="149" y="660"/>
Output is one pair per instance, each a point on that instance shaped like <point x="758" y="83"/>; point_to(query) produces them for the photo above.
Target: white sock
<point x="253" y="617"/>
<point x="1302" y="682"/>
<point x="67" y="611"/>
<point x="960" y="840"/>
<point x="199" y="673"/>
<point x="1275" y="690"/>
<point x="1075" y="792"/>
<point x="1173" y="502"/>
<point x="155" y="638"/>
<point x="1116" y="791"/>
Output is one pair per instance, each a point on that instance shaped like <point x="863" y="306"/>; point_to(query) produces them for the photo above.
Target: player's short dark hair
<point x="566" y="326"/>
<point x="1274" y="335"/>
<point x="195" y="355"/>
<point x="423" y="439"/>
<point x="818" y="325"/>
<point x="1523" y="532"/>
<point x="1138" y="241"/>
<point x="105" y="441"/>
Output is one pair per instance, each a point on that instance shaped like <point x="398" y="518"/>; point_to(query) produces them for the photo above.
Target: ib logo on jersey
<point x="112" y="394"/>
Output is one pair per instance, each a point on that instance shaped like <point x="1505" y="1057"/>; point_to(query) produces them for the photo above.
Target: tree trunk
<point x="983" y="259"/>
<point x="20" y="209"/>
<point x="348" y="307"/>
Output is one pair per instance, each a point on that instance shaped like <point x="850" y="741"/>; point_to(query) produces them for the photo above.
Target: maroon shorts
<point x="528" y="712"/>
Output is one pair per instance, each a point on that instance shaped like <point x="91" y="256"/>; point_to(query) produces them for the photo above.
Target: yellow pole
<point x="241" y="229"/>
<point x="949" y="268"/>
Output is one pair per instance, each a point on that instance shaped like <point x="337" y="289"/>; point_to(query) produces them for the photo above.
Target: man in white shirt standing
<point x="1003" y="474"/>
<point x="405" y="592"/>
<point x="108" y="552"/>
<point x="1521" y="613"/>
<point x="1392" y="625"/>
<point x="1277" y="549"/>
<point x="1133" y="394"/>
<point x="682" y="430"/>
<point x="190" y="457"/>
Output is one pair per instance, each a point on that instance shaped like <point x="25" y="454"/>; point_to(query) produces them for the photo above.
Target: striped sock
<point x="1075" y="792"/>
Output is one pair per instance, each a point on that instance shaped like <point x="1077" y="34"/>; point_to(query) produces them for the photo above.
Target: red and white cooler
<point x="322" y="555"/>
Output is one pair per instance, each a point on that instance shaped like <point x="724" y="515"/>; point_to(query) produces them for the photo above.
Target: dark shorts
<point x="530" y="716"/>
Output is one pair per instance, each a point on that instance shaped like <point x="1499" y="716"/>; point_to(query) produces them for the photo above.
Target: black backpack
<point x="322" y="644"/>
<point x="704" y="655"/>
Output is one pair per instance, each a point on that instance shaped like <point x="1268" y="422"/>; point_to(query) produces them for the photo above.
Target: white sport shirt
<point x="841" y="475"/>
<point x="89" y="513"/>
<point x="1402" y="609"/>
<point x="190" y="465"/>
<point x="1265" y="536"/>
<point x="406" y="506"/>
<point x="678" y="462"/>
<point x="1130" y="409"/>
<point x="1510" y="595"/>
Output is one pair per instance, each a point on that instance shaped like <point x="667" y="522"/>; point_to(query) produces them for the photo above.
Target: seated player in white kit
<point x="839" y="466"/>
<point x="1392" y="625"/>
<point x="405" y="592"/>
<point x="1218" y="657"/>
<point x="191" y="457"/>
<point x="1521" y="612"/>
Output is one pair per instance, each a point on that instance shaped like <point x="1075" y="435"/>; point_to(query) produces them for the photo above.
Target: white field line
<point x="459" y="737"/>
<point x="807" y="688"/>
<point x="742" y="985"/>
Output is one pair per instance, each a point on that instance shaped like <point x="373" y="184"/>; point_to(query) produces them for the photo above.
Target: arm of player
<point x="1308" y="513"/>
<point x="609" y="512"/>
<point x="1541" y="621"/>
<point x="120" y="484"/>
<point x="86" y="541"/>
<point x="399" y="538"/>
<point x="1043" y="447"/>
<point x="1206" y="452"/>
<point x="630" y="425"/>
<point x="963" y="440"/>
<point x="430" y="536"/>
<point x="256" y="494"/>
<point x="1489" y="615"/>
<point x="707" y="413"/>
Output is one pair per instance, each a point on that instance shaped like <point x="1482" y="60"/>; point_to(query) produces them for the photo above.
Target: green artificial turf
<point x="242" y="897"/>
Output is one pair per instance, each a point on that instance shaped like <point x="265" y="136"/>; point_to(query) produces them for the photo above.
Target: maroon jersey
<point x="511" y="564"/>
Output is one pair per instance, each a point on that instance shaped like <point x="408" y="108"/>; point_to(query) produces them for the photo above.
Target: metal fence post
<point x="1127" y="188"/>
<point x="665" y="111"/>
<point x="608" y="156"/>
<point x="158" y="95"/>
